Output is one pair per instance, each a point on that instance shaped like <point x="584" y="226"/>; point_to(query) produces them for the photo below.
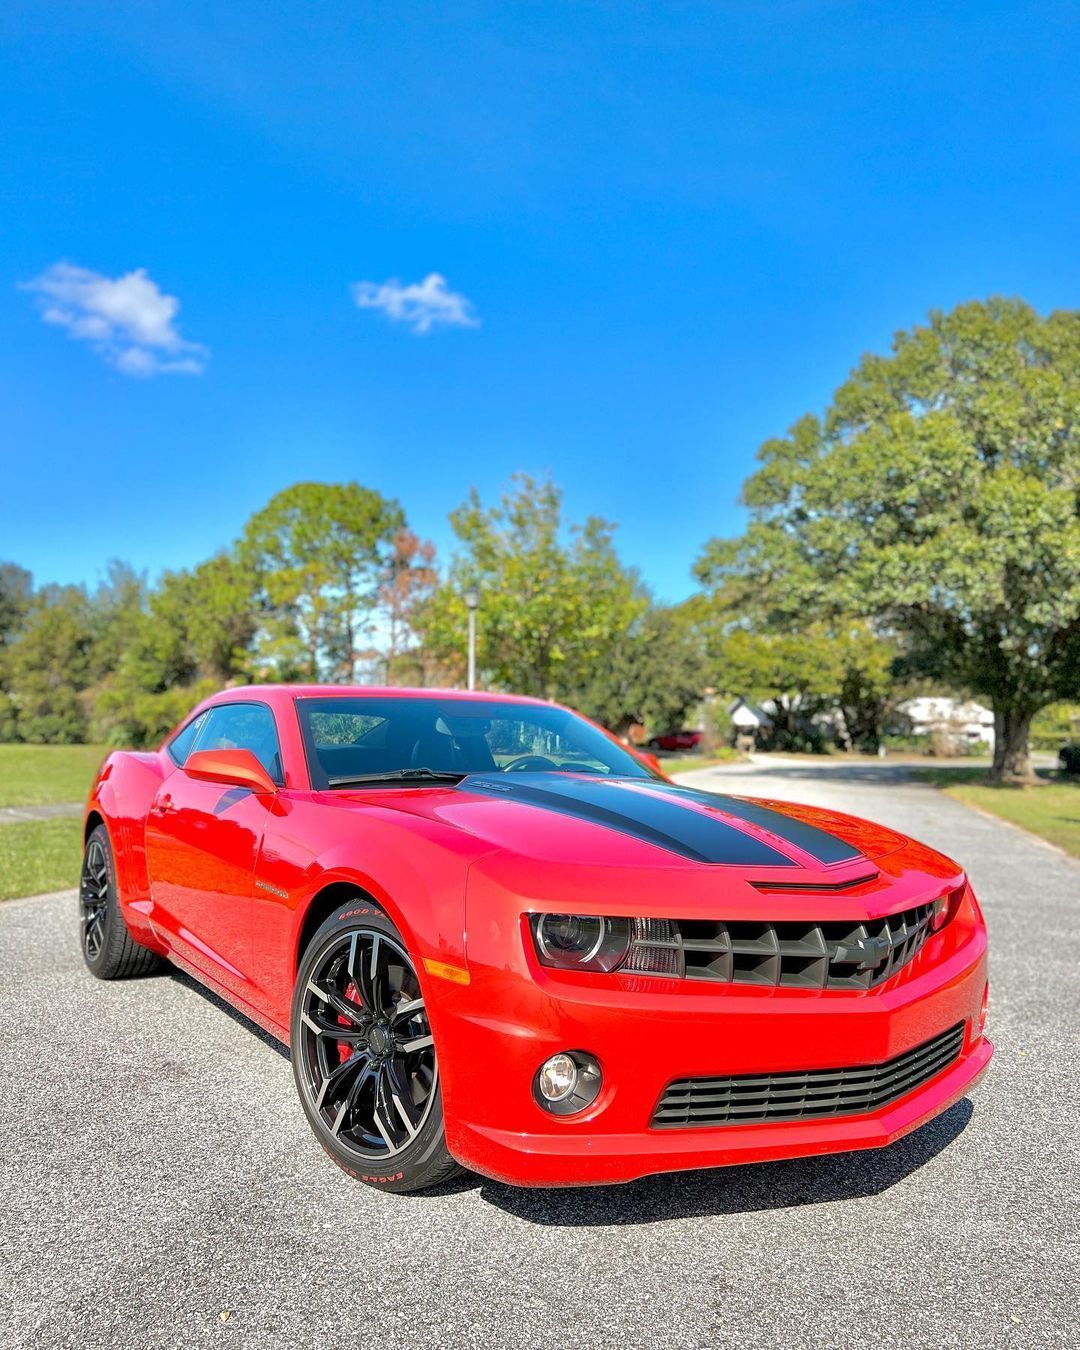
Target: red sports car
<point x="492" y="936"/>
<point x="677" y="740"/>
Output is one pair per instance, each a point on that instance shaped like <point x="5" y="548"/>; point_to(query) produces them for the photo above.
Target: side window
<point x="180" y="745"/>
<point x="243" y="726"/>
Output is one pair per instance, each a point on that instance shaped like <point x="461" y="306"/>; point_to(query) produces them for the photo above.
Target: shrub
<point x="1069" y="758"/>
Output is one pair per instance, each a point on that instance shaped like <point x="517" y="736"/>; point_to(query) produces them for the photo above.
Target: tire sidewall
<point x="426" y="1155"/>
<point x="99" y="964"/>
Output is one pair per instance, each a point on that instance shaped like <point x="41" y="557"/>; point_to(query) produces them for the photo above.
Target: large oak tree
<point x="938" y="496"/>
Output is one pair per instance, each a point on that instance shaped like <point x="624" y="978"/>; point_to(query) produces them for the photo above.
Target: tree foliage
<point x="320" y="553"/>
<point x="555" y="602"/>
<point x="937" y="496"/>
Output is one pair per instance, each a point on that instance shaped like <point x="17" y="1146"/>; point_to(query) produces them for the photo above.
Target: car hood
<point x="562" y="817"/>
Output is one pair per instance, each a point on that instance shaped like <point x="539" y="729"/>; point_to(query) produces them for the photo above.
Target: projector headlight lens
<point x="581" y="941"/>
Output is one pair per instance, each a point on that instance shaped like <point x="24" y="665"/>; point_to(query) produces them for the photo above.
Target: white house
<point x="966" y="721"/>
<point x="748" y="718"/>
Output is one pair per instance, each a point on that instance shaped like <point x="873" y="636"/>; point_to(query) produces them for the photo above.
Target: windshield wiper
<point x="398" y="776"/>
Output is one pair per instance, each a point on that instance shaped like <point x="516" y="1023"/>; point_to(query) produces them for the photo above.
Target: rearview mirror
<point x="237" y="767"/>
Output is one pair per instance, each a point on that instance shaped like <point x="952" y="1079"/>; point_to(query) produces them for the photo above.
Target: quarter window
<point x="180" y="745"/>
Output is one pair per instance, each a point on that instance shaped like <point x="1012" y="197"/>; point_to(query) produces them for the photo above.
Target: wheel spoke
<point x="404" y="1011"/>
<point x="343" y="1006"/>
<point x="336" y="1032"/>
<point x="336" y="1077"/>
<point x="399" y="1095"/>
<point x="420" y="1043"/>
<point x="384" y="1113"/>
<point x="368" y="978"/>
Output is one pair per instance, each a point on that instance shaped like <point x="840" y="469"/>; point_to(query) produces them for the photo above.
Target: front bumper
<point x="494" y="1034"/>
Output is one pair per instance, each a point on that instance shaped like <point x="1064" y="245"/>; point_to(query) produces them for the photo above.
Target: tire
<point x="363" y="1055"/>
<point x="109" y="950"/>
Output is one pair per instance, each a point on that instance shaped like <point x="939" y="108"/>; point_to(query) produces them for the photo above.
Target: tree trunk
<point x="1012" y="760"/>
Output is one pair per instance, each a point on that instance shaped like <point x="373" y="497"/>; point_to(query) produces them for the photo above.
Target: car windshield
<point x="352" y="739"/>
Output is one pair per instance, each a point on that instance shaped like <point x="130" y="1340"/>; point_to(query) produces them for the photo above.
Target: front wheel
<point x="363" y="1054"/>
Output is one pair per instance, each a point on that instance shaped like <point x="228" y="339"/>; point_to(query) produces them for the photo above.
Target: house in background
<point x="750" y="722"/>
<point x="950" y="724"/>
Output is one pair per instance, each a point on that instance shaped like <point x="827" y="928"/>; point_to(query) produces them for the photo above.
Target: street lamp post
<point x="472" y="604"/>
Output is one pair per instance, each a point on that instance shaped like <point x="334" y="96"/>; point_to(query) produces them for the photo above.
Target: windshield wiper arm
<point x="419" y="775"/>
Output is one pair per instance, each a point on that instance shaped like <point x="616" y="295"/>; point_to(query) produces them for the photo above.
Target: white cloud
<point x="128" y="320"/>
<point x="422" y="305"/>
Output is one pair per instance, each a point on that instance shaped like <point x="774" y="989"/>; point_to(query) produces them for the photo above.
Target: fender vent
<point x="753" y="1099"/>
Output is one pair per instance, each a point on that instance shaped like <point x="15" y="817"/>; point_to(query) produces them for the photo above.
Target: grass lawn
<point x="38" y="775"/>
<point x="1049" y="808"/>
<point x="680" y="763"/>
<point x="39" y="855"/>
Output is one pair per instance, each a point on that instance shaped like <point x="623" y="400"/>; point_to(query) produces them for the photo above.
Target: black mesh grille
<point x="752" y="1099"/>
<point x="803" y="955"/>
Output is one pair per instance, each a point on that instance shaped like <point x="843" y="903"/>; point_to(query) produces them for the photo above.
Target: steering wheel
<point x="525" y="762"/>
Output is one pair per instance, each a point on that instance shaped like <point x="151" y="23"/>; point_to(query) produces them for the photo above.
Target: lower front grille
<point x="748" y="1099"/>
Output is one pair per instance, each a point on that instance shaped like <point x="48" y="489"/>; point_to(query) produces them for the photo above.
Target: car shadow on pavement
<point x="188" y="982"/>
<point x="733" y="1190"/>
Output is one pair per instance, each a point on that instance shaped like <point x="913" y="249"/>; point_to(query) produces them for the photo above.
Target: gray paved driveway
<point x="158" y="1175"/>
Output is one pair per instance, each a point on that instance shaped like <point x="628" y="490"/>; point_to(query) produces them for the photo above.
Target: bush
<point x="1069" y="759"/>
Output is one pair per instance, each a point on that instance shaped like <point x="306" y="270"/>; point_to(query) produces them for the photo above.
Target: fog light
<point x="567" y="1083"/>
<point x="558" y="1078"/>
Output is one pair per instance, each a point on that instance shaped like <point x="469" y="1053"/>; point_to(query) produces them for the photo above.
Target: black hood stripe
<point x="650" y="816"/>
<point x="823" y="847"/>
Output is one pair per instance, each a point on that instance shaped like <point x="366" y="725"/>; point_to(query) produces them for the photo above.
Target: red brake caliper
<point x="353" y="995"/>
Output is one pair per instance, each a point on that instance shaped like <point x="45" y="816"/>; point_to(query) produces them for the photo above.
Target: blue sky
<point x="666" y="231"/>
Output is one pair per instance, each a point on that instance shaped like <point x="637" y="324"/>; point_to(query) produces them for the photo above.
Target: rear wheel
<point x="108" y="948"/>
<point x="363" y="1054"/>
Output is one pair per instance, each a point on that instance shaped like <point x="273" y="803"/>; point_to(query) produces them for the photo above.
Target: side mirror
<point x="237" y="767"/>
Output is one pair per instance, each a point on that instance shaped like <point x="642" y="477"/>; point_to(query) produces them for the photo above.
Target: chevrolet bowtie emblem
<point x="867" y="952"/>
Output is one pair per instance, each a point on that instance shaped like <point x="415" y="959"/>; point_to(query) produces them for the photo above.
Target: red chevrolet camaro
<point x="494" y="937"/>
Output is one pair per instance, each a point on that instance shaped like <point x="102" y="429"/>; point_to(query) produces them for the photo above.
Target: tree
<point x="410" y="581"/>
<point x="319" y="551"/>
<point x="653" y="675"/>
<point x="50" y="663"/>
<point x="938" y="497"/>
<point x="796" y="672"/>
<point x="555" y="602"/>
<point x="16" y="593"/>
<point x="195" y="634"/>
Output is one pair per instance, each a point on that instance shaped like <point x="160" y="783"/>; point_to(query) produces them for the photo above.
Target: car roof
<point x="295" y="691"/>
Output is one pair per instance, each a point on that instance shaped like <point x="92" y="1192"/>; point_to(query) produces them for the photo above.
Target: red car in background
<point x="676" y="740"/>
<point x="494" y="937"/>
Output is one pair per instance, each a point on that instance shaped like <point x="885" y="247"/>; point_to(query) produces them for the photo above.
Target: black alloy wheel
<point x="94" y="898"/>
<point x="364" y="1055"/>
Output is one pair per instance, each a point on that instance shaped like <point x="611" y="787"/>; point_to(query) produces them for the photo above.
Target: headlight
<point x="598" y="943"/>
<point x="581" y="941"/>
<point x="945" y="906"/>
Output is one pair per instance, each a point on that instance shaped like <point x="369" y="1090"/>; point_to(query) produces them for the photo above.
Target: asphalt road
<point x="159" y="1186"/>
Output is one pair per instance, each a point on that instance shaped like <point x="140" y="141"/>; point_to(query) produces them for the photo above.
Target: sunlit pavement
<point x="160" y="1186"/>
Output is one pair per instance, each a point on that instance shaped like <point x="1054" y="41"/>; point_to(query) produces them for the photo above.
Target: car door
<point x="202" y="844"/>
